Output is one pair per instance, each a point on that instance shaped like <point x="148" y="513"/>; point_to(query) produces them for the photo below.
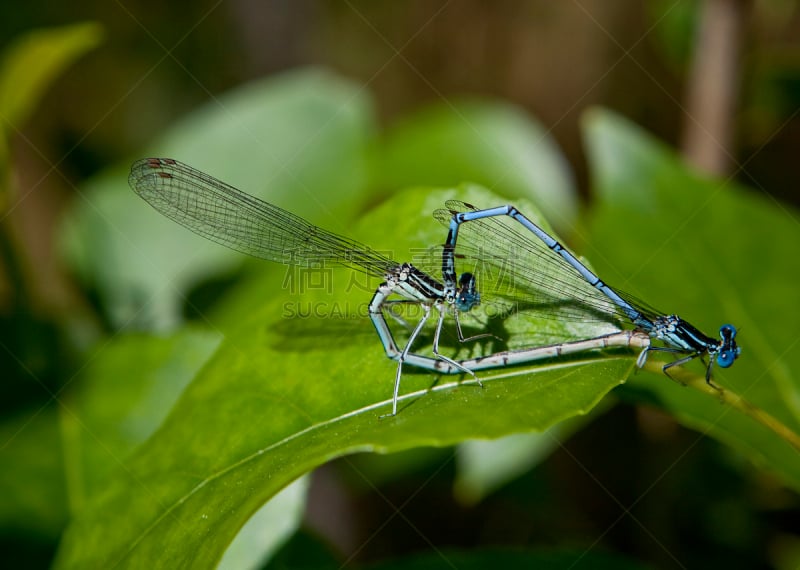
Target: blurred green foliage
<point x="167" y="439"/>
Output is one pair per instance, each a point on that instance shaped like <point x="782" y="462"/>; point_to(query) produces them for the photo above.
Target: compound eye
<point x="727" y="332"/>
<point x="726" y="357"/>
<point x="467" y="281"/>
<point x="466" y="301"/>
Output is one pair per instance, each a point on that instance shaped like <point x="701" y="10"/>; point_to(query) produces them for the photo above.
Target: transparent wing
<point x="230" y="217"/>
<point x="515" y="269"/>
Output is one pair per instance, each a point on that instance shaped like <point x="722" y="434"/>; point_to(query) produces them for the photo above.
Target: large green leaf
<point x="714" y="253"/>
<point x="285" y="394"/>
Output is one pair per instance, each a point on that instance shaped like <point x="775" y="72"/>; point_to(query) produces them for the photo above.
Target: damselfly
<point x="545" y="276"/>
<point x="237" y="220"/>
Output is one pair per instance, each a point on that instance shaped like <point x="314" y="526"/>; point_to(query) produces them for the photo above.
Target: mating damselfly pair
<point x="535" y="273"/>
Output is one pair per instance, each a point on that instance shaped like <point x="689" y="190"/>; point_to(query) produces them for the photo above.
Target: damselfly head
<point x="728" y="351"/>
<point x="467" y="295"/>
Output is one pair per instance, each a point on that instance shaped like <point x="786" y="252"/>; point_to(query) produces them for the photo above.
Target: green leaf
<point x="125" y="391"/>
<point x="299" y="140"/>
<point x="32" y="63"/>
<point x="713" y="253"/>
<point x="286" y="393"/>
<point x="493" y="144"/>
